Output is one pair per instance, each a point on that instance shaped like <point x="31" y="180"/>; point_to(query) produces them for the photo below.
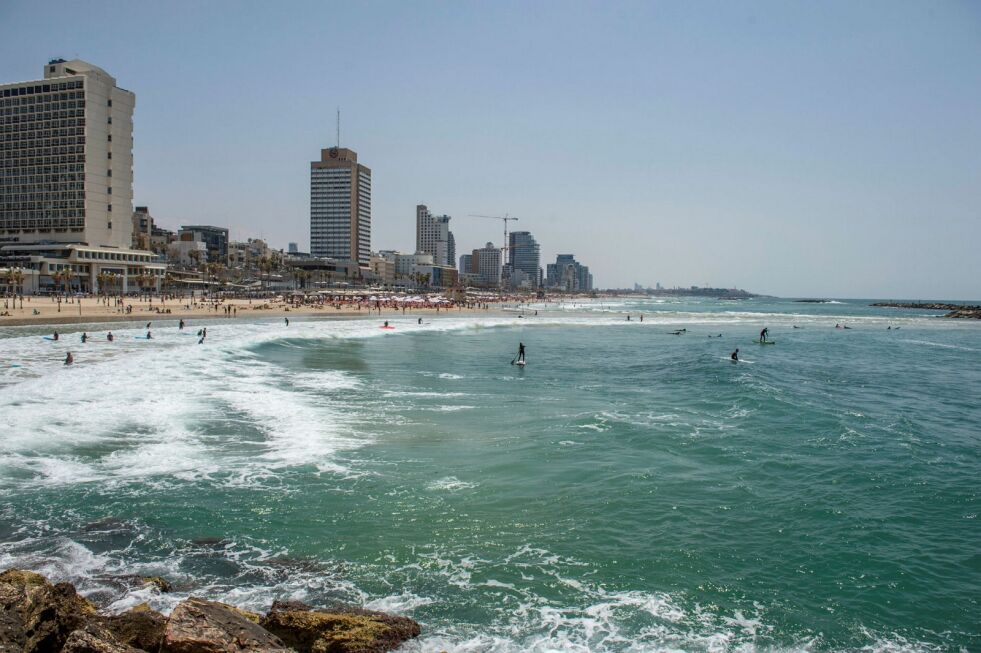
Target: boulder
<point x="141" y="627"/>
<point x="36" y="616"/>
<point x="93" y="639"/>
<point x="340" y="630"/>
<point x="200" y="626"/>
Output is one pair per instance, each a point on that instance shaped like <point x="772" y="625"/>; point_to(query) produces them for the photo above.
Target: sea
<point x="630" y="489"/>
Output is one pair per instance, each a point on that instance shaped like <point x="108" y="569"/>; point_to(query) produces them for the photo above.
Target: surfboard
<point x="48" y="338"/>
<point x="385" y="327"/>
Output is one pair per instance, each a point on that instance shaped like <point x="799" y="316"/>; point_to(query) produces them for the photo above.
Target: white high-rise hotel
<point x="66" y="183"/>
<point x="66" y="157"/>
<point x="433" y="236"/>
<point x="340" y="207"/>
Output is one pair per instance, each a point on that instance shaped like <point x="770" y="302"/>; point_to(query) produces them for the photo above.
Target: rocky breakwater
<point x="39" y="617"/>
<point x="954" y="310"/>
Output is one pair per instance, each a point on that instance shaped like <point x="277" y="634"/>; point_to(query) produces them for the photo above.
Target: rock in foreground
<point x="343" y="630"/>
<point x="199" y="626"/>
<point x="38" y="617"/>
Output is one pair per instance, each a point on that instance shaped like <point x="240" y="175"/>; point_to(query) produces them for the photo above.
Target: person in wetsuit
<point x="735" y="355"/>
<point x="763" y="334"/>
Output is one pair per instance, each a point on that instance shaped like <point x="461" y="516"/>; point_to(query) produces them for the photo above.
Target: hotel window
<point x="108" y="207"/>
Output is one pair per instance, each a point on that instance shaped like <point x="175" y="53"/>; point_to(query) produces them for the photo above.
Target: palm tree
<point x="68" y="275"/>
<point x="17" y="276"/>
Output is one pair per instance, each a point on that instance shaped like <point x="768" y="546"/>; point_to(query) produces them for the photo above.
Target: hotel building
<point x="340" y="207"/>
<point x="433" y="236"/>
<point x="66" y="179"/>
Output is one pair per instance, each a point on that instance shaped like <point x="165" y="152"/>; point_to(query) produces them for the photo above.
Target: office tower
<point x="466" y="263"/>
<point x="340" y="207"/>
<point x="568" y="274"/>
<point x="293" y="248"/>
<point x="66" y="158"/>
<point x="450" y="249"/>
<point x="487" y="265"/>
<point x="524" y="258"/>
<point x="433" y="236"/>
<point x="214" y="238"/>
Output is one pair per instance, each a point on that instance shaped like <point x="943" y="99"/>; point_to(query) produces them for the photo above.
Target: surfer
<point x="287" y="320"/>
<point x="109" y="336"/>
<point x="386" y="324"/>
<point x="180" y="326"/>
<point x="521" y="353"/>
<point x="84" y="337"/>
<point x="54" y="336"/>
<point x="763" y="334"/>
<point x="148" y="325"/>
<point x="69" y="359"/>
<point x="420" y="320"/>
<point x="735" y="356"/>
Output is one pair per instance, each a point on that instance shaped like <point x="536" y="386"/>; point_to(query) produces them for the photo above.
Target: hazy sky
<point x="791" y="148"/>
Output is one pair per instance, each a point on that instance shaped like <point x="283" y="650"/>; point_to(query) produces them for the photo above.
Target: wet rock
<point x="210" y="542"/>
<point x="200" y="626"/>
<point x="93" y="639"/>
<point x="142" y="627"/>
<point x="340" y="630"/>
<point x="38" y="617"/>
<point x="158" y="582"/>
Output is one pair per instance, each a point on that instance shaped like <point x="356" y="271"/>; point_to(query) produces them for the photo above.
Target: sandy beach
<point x="44" y="310"/>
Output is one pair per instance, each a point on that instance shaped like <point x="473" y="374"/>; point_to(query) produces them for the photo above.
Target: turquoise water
<point x="628" y="490"/>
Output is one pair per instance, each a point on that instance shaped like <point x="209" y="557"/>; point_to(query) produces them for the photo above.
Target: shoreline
<point x="92" y="311"/>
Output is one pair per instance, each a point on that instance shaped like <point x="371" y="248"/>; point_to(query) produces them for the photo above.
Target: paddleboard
<point x="521" y="363"/>
<point x="765" y="342"/>
<point x="141" y="338"/>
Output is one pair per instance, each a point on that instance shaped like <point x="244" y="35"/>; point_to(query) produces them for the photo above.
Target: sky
<point x="793" y="148"/>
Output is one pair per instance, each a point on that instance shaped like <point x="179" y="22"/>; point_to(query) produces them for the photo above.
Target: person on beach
<point x="69" y="359"/>
<point x="763" y="334"/>
<point x="735" y="355"/>
<point x="84" y="337"/>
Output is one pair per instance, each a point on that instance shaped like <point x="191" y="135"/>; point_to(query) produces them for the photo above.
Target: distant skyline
<point x="788" y="148"/>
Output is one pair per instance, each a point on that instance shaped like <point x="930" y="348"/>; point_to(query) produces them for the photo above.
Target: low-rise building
<point x="71" y="267"/>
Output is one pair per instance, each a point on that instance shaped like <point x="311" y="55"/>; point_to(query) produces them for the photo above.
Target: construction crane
<point x="506" y="218"/>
